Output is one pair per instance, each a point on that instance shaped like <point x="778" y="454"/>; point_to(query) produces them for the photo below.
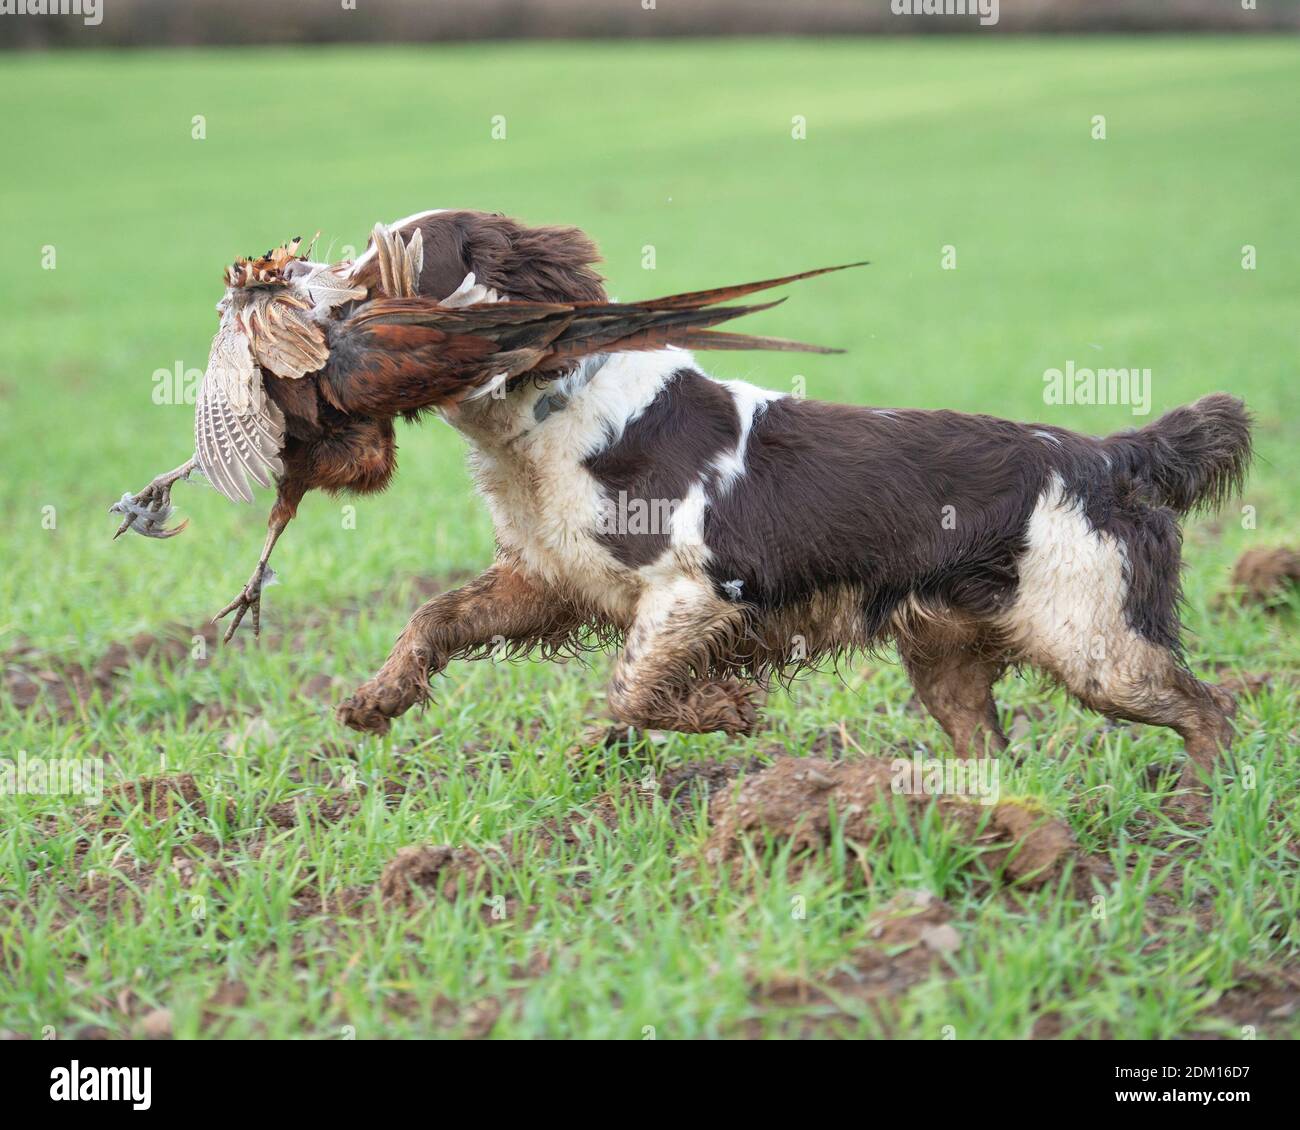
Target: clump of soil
<point x="1038" y="845"/>
<point x="229" y="997"/>
<point x="62" y="686"/>
<point x="157" y="1024"/>
<point x="316" y="810"/>
<point x="796" y="800"/>
<point x="1267" y="577"/>
<point x="431" y="871"/>
<point x="158" y="797"/>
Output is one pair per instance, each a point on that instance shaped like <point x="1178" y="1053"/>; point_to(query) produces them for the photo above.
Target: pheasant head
<point x="268" y="269"/>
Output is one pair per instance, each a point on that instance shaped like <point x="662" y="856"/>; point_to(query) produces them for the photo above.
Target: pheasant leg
<point x="251" y="597"/>
<point x="153" y="505"/>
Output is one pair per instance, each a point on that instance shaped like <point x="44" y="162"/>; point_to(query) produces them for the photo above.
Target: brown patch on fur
<point x="661" y="455"/>
<point x="842" y="497"/>
<point x="838" y="497"/>
<point x="953" y="665"/>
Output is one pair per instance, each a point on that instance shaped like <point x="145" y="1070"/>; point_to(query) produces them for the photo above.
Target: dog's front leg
<point x="661" y="681"/>
<point x="502" y="606"/>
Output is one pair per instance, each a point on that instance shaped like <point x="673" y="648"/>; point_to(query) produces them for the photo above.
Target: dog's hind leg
<point x="957" y="689"/>
<point x="1081" y="594"/>
<point x="1166" y="694"/>
<point x="953" y="672"/>
<point x="661" y="681"/>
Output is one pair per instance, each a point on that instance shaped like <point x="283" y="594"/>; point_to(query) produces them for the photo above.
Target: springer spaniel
<point x="726" y="535"/>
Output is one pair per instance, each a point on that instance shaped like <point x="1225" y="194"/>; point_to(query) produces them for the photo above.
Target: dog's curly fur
<point x="796" y="532"/>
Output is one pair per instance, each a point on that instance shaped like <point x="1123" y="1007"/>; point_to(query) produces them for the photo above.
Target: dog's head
<point x="543" y="264"/>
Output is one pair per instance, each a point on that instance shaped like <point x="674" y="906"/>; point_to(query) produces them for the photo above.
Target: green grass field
<point x="250" y="909"/>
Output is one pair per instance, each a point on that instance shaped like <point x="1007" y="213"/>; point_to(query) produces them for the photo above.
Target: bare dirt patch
<point x="159" y="798"/>
<point x="797" y="800"/>
<point x="63" y="687"/>
<point x="228" y="997"/>
<point x="681" y="784"/>
<point x="432" y="872"/>
<point x="1268" y="577"/>
<point x="200" y="858"/>
<point x="314" y="810"/>
<point x="1259" y="1005"/>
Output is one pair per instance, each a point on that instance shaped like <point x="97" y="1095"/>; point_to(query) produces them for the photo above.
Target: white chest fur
<point x="544" y="503"/>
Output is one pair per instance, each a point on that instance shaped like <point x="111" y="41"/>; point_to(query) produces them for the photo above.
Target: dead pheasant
<point x="312" y="362"/>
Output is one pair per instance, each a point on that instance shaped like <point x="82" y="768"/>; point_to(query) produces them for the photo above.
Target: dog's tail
<point x="1194" y="457"/>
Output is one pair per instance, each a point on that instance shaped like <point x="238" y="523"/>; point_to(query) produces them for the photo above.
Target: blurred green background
<point x="1122" y="252"/>
<point x="1118" y="252"/>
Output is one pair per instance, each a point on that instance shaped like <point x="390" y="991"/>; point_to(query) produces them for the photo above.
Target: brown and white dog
<point x="727" y="535"/>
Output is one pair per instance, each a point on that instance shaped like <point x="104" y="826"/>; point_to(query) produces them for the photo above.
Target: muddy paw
<point x="356" y="715"/>
<point x="375" y="703"/>
<point x="727" y="706"/>
<point x="745" y="707"/>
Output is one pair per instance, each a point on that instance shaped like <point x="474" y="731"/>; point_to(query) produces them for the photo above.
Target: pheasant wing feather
<point x="399" y="263"/>
<point x="326" y="287"/>
<point x="284" y="337"/>
<point x="238" y="430"/>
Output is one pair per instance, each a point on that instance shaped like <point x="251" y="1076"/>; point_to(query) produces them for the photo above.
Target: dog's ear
<point x="547" y="264"/>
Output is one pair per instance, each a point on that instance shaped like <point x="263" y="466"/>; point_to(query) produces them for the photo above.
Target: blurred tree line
<point x="129" y="23"/>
